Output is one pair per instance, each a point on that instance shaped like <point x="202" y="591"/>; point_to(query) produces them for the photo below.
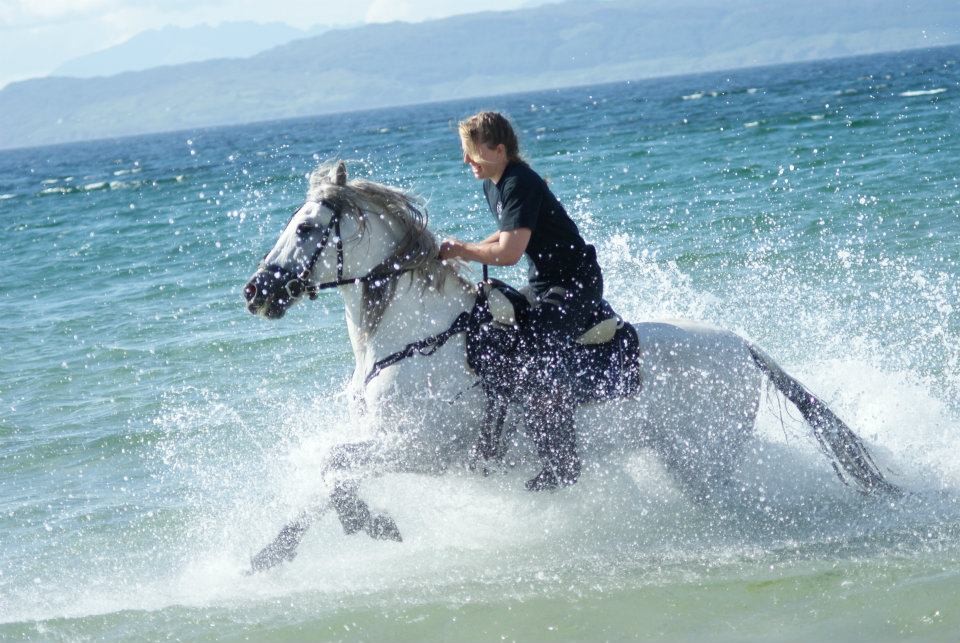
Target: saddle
<point x="508" y="306"/>
<point x="604" y="360"/>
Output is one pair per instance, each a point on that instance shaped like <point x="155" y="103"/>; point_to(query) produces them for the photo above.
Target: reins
<point x="465" y="321"/>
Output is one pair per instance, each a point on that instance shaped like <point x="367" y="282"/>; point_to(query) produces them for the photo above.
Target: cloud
<point x="46" y="13"/>
<point x="37" y="36"/>
<point x="26" y="13"/>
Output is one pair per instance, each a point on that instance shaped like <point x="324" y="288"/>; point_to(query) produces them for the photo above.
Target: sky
<point x="36" y="36"/>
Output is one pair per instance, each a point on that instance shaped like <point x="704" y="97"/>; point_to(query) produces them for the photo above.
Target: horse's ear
<point x="338" y="175"/>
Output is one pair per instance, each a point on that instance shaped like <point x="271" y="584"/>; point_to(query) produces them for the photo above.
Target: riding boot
<point x="555" y="438"/>
<point x="550" y="404"/>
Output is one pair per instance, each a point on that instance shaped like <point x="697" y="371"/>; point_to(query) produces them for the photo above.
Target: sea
<point x="154" y="434"/>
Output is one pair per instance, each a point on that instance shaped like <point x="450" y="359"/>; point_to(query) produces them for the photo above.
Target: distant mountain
<point x="178" y="45"/>
<point x="480" y="54"/>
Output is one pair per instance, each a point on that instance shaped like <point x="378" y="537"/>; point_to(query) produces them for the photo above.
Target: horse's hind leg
<point x="701" y="443"/>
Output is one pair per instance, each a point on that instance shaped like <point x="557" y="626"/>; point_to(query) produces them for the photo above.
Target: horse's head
<point x="345" y="233"/>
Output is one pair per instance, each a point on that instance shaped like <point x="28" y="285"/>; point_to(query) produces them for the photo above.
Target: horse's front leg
<point x="354" y="513"/>
<point x="284" y="546"/>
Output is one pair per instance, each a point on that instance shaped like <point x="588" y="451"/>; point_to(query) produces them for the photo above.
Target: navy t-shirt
<point x="557" y="254"/>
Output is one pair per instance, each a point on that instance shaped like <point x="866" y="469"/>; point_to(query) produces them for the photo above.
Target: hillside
<point x="179" y="45"/>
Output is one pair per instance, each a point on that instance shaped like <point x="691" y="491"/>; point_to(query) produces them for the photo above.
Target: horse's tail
<point x="848" y="455"/>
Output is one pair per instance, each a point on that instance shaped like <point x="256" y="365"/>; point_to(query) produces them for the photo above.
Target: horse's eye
<point x="304" y="229"/>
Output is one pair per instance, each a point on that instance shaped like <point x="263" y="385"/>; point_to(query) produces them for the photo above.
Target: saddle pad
<point x="603" y="371"/>
<point x="609" y="371"/>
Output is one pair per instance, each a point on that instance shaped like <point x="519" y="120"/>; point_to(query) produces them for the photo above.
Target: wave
<point x="714" y="93"/>
<point x="58" y="190"/>
<point x="857" y="123"/>
<point x="922" y="92"/>
<point x="92" y="187"/>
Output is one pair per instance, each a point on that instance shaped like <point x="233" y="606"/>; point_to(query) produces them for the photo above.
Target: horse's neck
<point x="415" y="312"/>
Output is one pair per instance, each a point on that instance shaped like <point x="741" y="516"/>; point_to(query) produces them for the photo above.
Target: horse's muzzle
<point x="267" y="294"/>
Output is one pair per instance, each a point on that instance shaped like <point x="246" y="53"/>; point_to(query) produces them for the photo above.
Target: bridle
<point x="302" y="283"/>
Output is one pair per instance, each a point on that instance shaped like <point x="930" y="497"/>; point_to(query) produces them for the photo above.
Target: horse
<point x="418" y="398"/>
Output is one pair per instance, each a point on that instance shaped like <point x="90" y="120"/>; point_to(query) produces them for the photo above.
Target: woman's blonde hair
<point x="490" y="129"/>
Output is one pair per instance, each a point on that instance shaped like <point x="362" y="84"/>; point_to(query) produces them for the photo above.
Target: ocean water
<point x="153" y="433"/>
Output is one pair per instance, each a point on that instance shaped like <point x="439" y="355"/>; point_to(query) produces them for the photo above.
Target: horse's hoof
<point x="480" y="467"/>
<point x="485" y="465"/>
<point x="283" y="548"/>
<point x="268" y="558"/>
<point x="383" y="527"/>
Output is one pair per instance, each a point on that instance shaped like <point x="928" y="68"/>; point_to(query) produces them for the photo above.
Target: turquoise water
<point x="153" y="433"/>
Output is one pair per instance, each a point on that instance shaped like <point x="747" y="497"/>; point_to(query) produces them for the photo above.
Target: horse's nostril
<point x="249" y="291"/>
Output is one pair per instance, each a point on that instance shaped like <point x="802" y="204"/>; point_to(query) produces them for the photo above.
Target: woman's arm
<point x="499" y="249"/>
<point x="492" y="237"/>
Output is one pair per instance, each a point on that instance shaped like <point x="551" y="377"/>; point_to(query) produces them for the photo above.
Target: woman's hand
<point x="450" y="248"/>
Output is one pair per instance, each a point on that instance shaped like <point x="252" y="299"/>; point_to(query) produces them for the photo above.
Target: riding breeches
<point x="552" y="326"/>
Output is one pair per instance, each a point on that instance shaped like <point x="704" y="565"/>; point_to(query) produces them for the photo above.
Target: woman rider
<point x="563" y="275"/>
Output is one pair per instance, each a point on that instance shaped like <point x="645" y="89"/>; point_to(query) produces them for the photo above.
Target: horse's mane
<point x="416" y="251"/>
